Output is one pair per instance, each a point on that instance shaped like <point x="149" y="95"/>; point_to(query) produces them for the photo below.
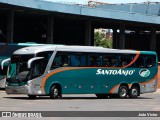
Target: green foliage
<point x="100" y="40"/>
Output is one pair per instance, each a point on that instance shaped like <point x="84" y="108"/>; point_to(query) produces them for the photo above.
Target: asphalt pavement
<point x="80" y="102"/>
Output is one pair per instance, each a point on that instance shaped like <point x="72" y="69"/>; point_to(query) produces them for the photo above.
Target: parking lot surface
<point x="83" y="102"/>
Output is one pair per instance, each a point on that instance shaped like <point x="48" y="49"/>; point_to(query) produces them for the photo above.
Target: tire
<point x="54" y="92"/>
<point x="123" y="92"/>
<point x="102" y="96"/>
<point x="133" y="92"/>
<point x="32" y="96"/>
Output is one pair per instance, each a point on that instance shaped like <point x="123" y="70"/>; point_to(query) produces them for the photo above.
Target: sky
<point x="106" y="1"/>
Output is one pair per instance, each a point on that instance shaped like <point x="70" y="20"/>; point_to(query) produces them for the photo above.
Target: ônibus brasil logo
<point x="144" y="72"/>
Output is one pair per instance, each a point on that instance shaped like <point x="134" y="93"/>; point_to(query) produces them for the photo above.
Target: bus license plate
<point x="14" y="91"/>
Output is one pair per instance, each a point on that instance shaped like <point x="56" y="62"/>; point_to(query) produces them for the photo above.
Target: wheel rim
<point x="55" y="92"/>
<point x="123" y="92"/>
<point x="134" y="92"/>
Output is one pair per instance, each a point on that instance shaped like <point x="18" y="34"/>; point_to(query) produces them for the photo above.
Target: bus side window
<point x="125" y="60"/>
<point x="83" y="60"/>
<point x="61" y="60"/>
<point x="110" y="60"/>
<point x="38" y="68"/>
<point x="140" y="62"/>
<point x="75" y="60"/>
<point x="114" y="61"/>
<point x="46" y="55"/>
<point x="65" y="61"/>
<point x="78" y="59"/>
<point x="150" y="61"/>
<point x="106" y="61"/>
<point x="94" y="60"/>
<point x="57" y="61"/>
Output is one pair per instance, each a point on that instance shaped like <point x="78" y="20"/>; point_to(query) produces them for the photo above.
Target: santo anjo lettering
<point x="115" y="72"/>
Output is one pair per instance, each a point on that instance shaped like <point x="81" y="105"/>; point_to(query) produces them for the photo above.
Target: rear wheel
<point x="54" y="92"/>
<point x="134" y="92"/>
<point x="123" y="92"/>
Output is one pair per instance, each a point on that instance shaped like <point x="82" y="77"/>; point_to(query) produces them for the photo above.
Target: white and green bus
<point x="56" y="70"/>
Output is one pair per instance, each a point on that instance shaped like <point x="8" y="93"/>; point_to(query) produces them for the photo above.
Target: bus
<point x="6" y="50"/>
<point x="56" y="70"/>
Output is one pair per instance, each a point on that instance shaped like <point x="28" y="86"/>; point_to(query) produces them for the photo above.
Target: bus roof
<point x="41" y="48"/>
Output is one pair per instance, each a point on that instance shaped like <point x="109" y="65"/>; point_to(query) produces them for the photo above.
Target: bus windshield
<point x="18" y="70"/>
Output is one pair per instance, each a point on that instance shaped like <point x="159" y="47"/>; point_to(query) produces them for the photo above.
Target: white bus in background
<point x="6" y="50"/>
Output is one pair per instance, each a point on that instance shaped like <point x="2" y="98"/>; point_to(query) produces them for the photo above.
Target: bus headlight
<point x="29" y="83"/>
<point x="6" y="84"/>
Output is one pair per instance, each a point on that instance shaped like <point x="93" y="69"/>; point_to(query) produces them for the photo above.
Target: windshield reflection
<point x="18" y="70"/>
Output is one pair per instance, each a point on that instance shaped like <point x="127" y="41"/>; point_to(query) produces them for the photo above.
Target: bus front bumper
<point x="17" y="89"/>
<point x="24" y="89"/>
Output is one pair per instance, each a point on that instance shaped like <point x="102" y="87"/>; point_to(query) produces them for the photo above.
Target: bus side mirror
<point x="33" y="59"/>
<point x="4" y="61"/>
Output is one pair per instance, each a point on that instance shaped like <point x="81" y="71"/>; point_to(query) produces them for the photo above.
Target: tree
<point x="100" y="40"/>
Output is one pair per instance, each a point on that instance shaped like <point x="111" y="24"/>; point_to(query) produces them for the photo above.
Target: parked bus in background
<point x="57" y="70"/>
<point x="6" y="50"/>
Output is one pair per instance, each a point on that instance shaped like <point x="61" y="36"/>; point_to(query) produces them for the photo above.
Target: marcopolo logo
<point x="115" y="72"/>
<point x="144" y="72"/>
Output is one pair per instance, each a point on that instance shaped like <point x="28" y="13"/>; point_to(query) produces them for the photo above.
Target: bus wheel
<point x="102" y="96"/>
<point x="133" y="92"/>
<point x="123" y="91"/>
<point x="54" y="92"/>
<point x="32" y="96"/>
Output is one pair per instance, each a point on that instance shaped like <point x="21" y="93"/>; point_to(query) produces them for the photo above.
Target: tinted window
<point x="125" y="59"/>
<point x="78" y="59"/>
<point x="150" y="60"/>
<point x="94" y="59"/>
<point x="140" y="62"/>
<point x="145" y="61"/>
<point x="75" y="59"/>
<point x="110" y="60"/>
<point x="61" y="60"/>
<point x="38" y="68"/>
<point x="46" y="55"/>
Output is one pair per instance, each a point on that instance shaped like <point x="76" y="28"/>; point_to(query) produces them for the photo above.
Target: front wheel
<point x="54" y="92"/>
<point x="133" y="92"/>
<point x="123" y="92"/>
